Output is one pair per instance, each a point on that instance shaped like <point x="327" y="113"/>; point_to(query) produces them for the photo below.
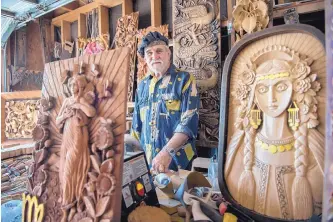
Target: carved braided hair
<point x="301" y="189"/>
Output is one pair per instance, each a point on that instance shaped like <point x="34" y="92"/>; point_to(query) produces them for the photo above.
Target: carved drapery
<point x="127" y="27"/>
<point x="196" y="50"/>
<point x="21" y="118"/>
<point x="142" y="67"/>
<point x="90" y="117"/>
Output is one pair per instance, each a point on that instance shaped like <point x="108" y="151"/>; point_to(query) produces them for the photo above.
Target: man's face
<point x="157" y="58"/>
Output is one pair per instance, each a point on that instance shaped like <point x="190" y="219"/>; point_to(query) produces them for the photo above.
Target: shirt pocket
<point x="172" y="105"/>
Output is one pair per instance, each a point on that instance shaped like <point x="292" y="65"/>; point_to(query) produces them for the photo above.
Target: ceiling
<point x="16" y="13"/>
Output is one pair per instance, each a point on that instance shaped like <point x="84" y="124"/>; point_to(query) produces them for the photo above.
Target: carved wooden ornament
<point x="273" y="154"/>
<point x="21" y="118"/>
<point x="79" y="138"/>
<point x="195" y="50"/>
<point x="250" y="16"/>
<point x="142" y="65"/>
<point x="127" y="27"/>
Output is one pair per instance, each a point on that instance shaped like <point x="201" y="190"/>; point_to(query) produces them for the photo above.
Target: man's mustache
<point x="153" y="61"/>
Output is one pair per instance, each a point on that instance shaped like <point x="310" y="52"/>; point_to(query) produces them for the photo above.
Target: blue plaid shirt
<point x="164" y="107"/>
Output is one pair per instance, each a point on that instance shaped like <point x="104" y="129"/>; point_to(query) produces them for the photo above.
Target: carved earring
<point x="293" y="117"/>
<point x="255" y="117"/>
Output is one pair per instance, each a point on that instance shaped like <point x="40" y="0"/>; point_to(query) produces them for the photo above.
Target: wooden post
<point x="65" y="32"/>
<point x="82" y="32"/>
<point x="103" y="20"/>
<point x="127" y="7"/>
<point x="156" y="15"/>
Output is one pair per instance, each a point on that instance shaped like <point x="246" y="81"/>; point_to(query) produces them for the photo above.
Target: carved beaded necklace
<point x="275" y="146"/>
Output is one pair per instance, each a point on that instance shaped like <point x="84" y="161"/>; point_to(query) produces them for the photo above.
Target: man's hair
<point x="150" y="38"/>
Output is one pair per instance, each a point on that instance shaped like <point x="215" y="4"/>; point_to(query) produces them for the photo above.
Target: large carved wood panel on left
<point x="79" y="137"/>
<point x="127" y="27"/>
<point x="196" y="50"/>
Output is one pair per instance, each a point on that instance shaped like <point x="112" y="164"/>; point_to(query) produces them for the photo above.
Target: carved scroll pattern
<point x="142" y="67"/>
<point x="21" y="117"/>
<point x="104" y="87"/>
<point x="127" y="27"/>
<point x="195" y="36"/>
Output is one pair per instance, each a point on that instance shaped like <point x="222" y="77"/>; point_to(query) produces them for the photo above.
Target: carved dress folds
<point x="274" y="175"/>
<point x="75" y="160"/>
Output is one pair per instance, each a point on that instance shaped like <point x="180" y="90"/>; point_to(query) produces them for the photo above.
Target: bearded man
<point x="165" y="119"/>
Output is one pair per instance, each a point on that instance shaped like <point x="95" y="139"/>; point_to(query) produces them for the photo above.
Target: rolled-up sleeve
<point x="189" y="109"/>
<point x="136" y="122"/>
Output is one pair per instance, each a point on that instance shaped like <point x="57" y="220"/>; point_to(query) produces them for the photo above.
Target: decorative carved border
<point x="225" y="94"/>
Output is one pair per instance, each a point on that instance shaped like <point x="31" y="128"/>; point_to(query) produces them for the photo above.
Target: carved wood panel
<point x="196" y="50"/>
<point x="127" y="27"/>
<point x="79" y="137"/>
<point x="142" y="67"/>
<point x="21" y="118"/>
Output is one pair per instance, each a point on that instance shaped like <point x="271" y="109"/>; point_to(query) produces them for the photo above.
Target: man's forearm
<point x="177" y="141"/>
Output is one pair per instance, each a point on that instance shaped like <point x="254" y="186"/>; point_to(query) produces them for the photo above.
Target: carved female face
<point x="73" y="85"/>
<point x="273" y="95"/>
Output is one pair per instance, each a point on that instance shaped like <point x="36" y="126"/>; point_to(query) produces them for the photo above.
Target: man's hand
<point x="161" y="162"/>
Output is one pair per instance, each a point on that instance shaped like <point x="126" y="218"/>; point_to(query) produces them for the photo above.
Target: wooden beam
<point x="65" y="32"/>
<point x="127" y="7"/>
<point x="103" y="20"/>
<point x="109" y="3"/>
<point x="71" y="6"/>
<point x="73" y="15"/>
<point x="82" y="32"/>
<point x="156" y="15"/>
<point x="52" y="33"/>
<point x="301" y="7"/>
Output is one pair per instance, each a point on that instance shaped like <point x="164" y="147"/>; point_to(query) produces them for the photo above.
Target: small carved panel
<point x="250" y="16"/>
<point x="196" y="50"/>
<point x="142" y="67"/>
<point x="272" y="154"/>
<point x="21" y="118"/>
<point x="127" y="27"/>
<point x="79" y="137"/>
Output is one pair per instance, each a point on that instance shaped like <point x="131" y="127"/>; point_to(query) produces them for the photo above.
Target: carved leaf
<point x="264" y="22"/>
<point x="86" y="219"/>
<point x="95" y="162"/>
<point x="249" y="23"/>
<point x="262" y="6"/>
<point x="37" y="191"/>
<point x="107" y="166"/>
<point x="102" y="204"/>
<point x="89" y="205"/>
<point x="92" y="176"/>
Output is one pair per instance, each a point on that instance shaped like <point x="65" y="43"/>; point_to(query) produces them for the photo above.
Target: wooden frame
<point x="14" y="96"/>
<point x="224" y="112"/>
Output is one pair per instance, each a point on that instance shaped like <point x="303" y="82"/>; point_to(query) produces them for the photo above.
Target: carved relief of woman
<point x="74" y="157"/>
<point x="275" y="157"/>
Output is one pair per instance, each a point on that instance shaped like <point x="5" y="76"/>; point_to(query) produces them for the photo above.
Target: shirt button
<point x="172" y="112"/>
<point x="157" y="150"/>
<point x="179" y="166"/>
<point x="178" y="153"/>
<point x="179" y="79"/>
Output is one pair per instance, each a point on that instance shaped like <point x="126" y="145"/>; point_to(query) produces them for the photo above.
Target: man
<point x="165" y="119"/>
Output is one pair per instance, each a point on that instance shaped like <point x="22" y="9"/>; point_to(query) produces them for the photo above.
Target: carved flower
<point x="300" y="70"/>
<point x="106" y="184"/>
<point x="304" y="109"/>
<point x="302" y="85"/>
<point x="247" y="77"/>
<point x="241" y="91"/>
<point x="316" y="86"/>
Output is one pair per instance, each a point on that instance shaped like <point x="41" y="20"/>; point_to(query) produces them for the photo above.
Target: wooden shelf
<point x="301" y="7"/>
<point x="73" y="16"/>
